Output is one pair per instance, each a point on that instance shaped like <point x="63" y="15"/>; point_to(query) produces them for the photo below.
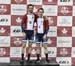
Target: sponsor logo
<point x="64" y="0"/>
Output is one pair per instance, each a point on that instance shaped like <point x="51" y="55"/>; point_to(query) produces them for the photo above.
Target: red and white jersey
<point x="42" y="24"/>
<point x="28" y="21"/>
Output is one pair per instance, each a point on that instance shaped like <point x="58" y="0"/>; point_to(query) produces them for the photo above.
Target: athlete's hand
<point x="35" y="33"/>
<point x="24" y="34"/>
<point x="45" y="36"/>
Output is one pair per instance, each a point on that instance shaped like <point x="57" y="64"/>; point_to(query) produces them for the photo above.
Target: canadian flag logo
<point x="17" y="41"/>
<point x="3" y="9"/>
<point x="65" y="10"/>
<point x="63" y="52"/>
<point x="64" y="31"/>
<point x="18" y="20"/>
<point x="50" y="0"/>
<point x="2" y="51"/>
<point x="18" y="1"/>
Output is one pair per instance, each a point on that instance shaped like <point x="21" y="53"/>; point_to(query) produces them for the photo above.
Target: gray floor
<point x="17" y="63"/>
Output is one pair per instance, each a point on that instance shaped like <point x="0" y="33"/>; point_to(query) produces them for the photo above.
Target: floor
<point x="17" y="63"/>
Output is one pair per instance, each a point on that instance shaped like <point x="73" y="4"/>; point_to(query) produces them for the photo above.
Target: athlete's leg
<point x="45" y="45"/>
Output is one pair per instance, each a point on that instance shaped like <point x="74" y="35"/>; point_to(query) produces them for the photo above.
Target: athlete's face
<point x="40" y="12"/>
<point x="30" y="9"/>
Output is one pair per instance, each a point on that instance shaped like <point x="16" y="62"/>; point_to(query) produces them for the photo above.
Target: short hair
<point x="41" y="9"/>
<point x="30" y="5"/>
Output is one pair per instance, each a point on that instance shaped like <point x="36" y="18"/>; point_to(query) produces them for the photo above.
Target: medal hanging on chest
<point x="30" y="22"/>
<point x="40" y="25"/>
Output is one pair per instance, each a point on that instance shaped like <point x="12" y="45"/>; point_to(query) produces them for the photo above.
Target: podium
<point x="51" y="63"/>
<point x="17" y="63"/>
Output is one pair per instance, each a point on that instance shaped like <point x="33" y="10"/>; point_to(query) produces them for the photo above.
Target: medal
<point x="30" y="22"/>
<point x="39" y="26"/>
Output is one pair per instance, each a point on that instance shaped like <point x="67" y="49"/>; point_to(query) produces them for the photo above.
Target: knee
<point x="38" y="45"/>
<point x="23" y="46"/>
<point x="45" y="47"/>
<point x="30" y="45"/>
<point x="38" y="51"/>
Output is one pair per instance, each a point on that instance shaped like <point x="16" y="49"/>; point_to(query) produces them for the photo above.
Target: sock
<point x="22" y="56"/>
<point x="38" y="55"/>
<point x="28" y="57"/>
<point x="46" y="56"/>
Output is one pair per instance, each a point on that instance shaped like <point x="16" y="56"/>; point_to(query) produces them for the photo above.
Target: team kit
<point x="34" y="25"/>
